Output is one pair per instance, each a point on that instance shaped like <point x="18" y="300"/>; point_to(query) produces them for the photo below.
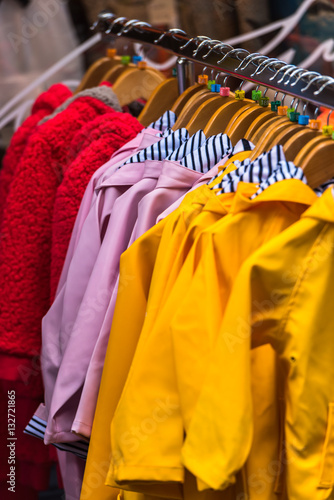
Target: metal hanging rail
<point x="261" y="70"/>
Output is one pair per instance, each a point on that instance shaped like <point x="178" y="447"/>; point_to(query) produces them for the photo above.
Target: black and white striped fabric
<point x="319" y="191"/>
<point x="160" y="150"/>
<point x="166" y="121"/>
<point x="196" y="141"/>
<point x="242" y="145"/>
<point x="285" y="170"/>
<point x="37" y="427"/>
<point x="208" y="155"/>
<point x="255" y="172"/>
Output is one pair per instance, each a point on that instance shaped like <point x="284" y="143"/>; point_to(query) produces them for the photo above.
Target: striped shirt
<point x="188" y="147"/>
<point x="160" y="150"/>
<point x="285" y="170"/>
<point x="255" y="172"/>
<point x="166" y="121"/>
<point x="242" y="145"/>
<point x="37" y="427"/>
<point x="319" y="191"/>
<point x="209" y="154"/>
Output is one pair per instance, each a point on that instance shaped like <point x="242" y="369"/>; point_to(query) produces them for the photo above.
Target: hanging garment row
<point x="145" y="251"/>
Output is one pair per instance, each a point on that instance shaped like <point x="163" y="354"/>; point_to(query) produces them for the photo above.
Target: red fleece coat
<point x="44" y="105"/>
<point x="25" y="244"/>
<point x="94" y="145"/>
<point x="25" y="255"/>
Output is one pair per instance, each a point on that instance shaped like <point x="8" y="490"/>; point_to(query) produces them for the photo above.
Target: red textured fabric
<point x="95" y="143"/>
<point x="25" y="244"/>
<point x="44" y="105"/>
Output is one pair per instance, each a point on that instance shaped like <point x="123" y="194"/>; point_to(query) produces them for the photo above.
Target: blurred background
<point x="35" y="34"/>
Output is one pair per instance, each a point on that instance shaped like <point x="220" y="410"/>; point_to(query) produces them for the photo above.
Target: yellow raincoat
<point x="155" y="400"/>
<point x="282" y="296"/>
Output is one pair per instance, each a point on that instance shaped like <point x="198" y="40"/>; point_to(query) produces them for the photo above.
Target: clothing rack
<point x="286" y="78"/>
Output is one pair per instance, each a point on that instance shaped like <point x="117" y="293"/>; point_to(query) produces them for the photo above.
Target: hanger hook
<point x="292" y="102"/>
<point x="262" y="66"/>
<point x="215" y="44"/>
<point x="204" y="69"/>
<point x="282" y="100"/>
<point x="230" y="52"/>
<point x="312" y="80"/>
<point x="254" y="57"/>
<point x="305" y="74"/>
<point x="330" y="81"/>
<point x="169" y="32"/>
<point x="328" y="117"/>
<point x="105" y="16"/>
<point x="225" y="78"/>
<point x="288" y="69"/>
<point x="188" y="42"/>
<point x="140" y="24"/>
<point x="127" y="26"/>
<point x="246" y="60"/>
<point x="316" y="112"/>
<point x="241" y="84"/>
<point x="115" y="21"/>
<point x="204" y="40"/>
<point x="293" y="74"/>
<point x="193" y="39"/>
<point x="283" y="67"/>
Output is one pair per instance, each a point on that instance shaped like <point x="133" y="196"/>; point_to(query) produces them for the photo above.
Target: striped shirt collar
<point x="285" y="170"/>
<point x="255" y="172"/>
<point x="242" y="145"/>
<point x="166" y="121"/>
<point x="319" y="191"/>
<point x="160" y="150"/>
<point x="209" y="154"/>
<point x="196" y="141"/>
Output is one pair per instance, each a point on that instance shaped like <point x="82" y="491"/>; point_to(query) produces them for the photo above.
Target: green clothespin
<point x="125" y="60"/>
<point x="264" y="101"/>
<point x="256" y="94"/>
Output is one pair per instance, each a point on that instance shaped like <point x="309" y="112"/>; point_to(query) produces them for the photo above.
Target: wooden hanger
<point x="304" y="152"/>
<point x="222" y="117"/>
<point x="257" y="134"/>
<point x="112" y="74"/>
<point x="241" y="121"/>
<point x="161" y="100"/>
<point x="268" y="134"/>
<point x="137" y="83"/>
<point x="287" y="134"/>
<point x="298" y="141"/>
<point x="318" y="165"/>
<point x="203" y="114"/>
<point x="263" y="118"/>
<point x="191" y="107"/>
<point x="183" y="98"/>
<point x="97" y="70"/>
